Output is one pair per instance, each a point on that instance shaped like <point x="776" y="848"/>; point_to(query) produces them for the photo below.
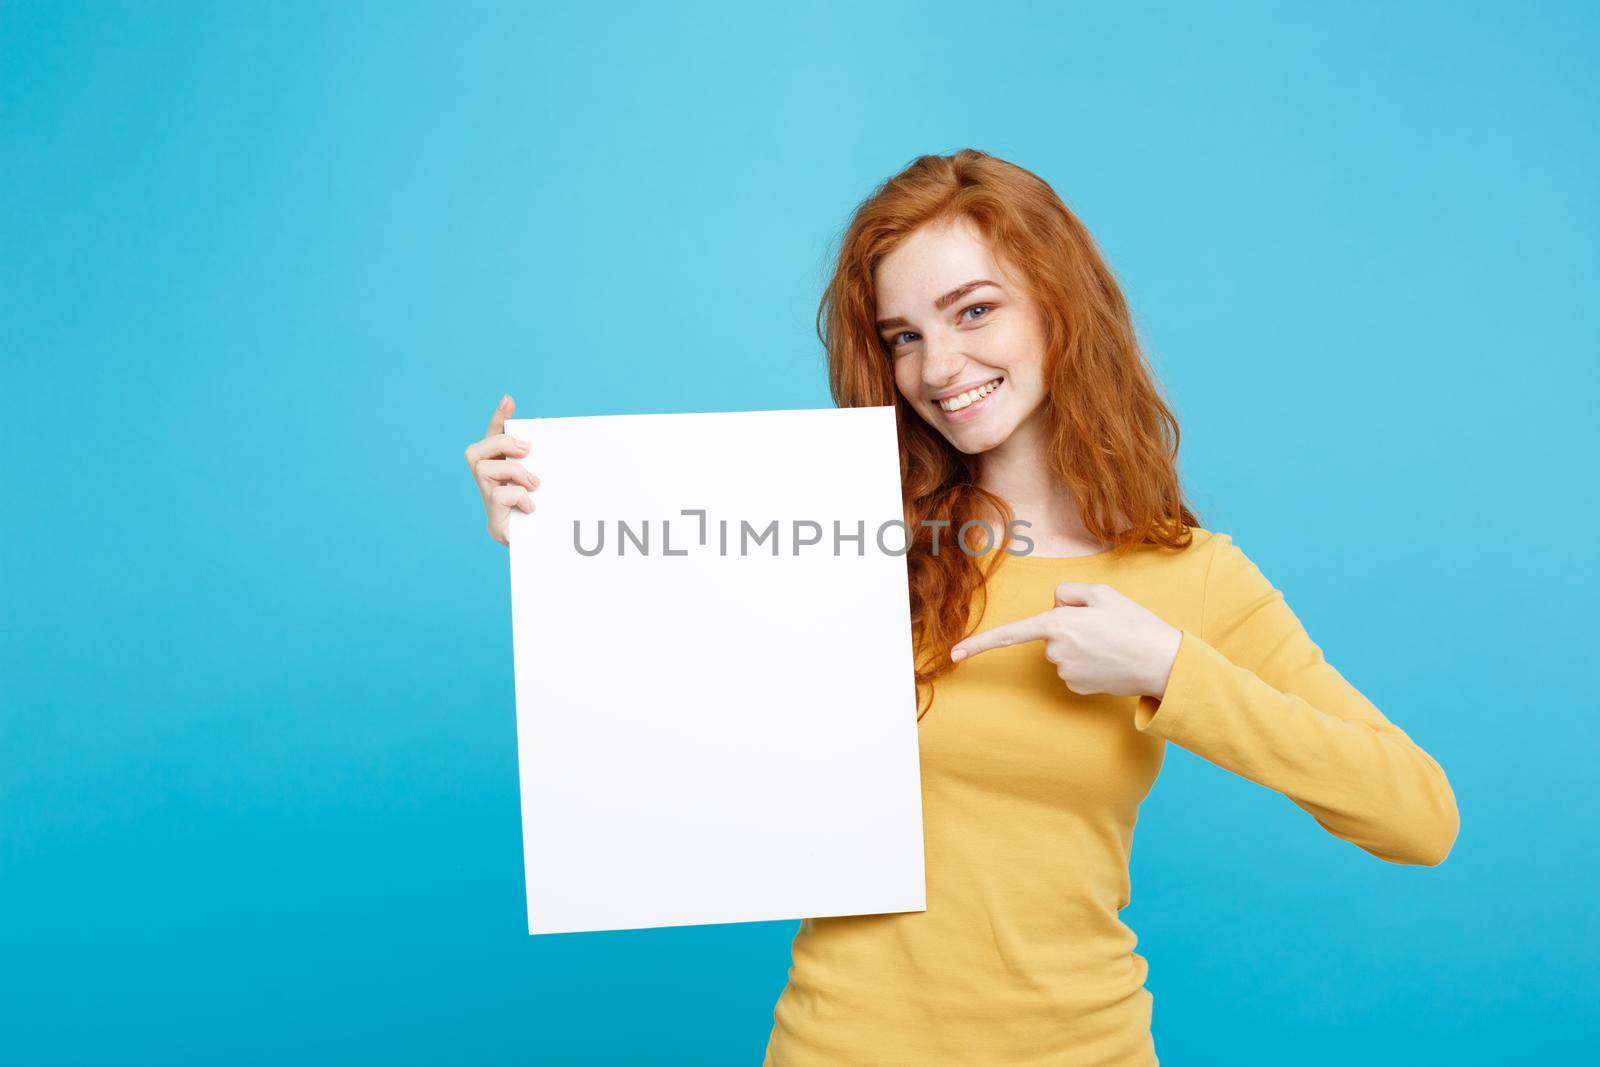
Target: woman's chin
<point x="976" y="439"/>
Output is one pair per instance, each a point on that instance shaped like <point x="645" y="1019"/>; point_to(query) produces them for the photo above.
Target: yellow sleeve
<point x="1252" y="693"/>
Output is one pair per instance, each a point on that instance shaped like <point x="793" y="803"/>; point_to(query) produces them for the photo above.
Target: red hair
<point x="1113" y="442"/>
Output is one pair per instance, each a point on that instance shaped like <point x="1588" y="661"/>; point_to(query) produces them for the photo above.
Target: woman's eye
<point x="978" y="307"/>
<point x="894" y="342"/>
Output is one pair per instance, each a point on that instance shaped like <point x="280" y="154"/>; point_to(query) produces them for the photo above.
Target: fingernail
<point x="520" y="444"/>
<point x="957" y="655"/>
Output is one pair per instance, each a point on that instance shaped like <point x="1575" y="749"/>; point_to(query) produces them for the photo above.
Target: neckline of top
<point x="1053" y="561"/>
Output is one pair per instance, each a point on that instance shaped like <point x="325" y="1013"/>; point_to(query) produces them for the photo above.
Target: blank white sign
<point x="716" y="713"/>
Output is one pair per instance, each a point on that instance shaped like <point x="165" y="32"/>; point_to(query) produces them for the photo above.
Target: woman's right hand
<point x="504" y="482"/>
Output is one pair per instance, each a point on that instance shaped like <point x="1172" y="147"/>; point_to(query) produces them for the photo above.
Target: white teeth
<point x="971" y="396"/>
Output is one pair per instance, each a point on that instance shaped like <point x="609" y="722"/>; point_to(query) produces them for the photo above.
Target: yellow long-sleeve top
<point x="1030" y="793"/>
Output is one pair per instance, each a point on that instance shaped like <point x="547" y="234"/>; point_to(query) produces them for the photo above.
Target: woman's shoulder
<point x="1205" y="543"/>
<point x="1195" y="545"/>
<point x="1187" y="557"/>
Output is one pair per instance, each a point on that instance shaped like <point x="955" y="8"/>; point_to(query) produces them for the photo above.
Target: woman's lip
<point x="967" y="388"/>
<point x="972" y="410"/>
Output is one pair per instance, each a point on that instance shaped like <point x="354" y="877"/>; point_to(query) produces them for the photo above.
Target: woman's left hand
<point x="1099" y="640"/>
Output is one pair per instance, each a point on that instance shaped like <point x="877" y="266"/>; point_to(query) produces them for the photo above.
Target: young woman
<point x="971" y="298"/>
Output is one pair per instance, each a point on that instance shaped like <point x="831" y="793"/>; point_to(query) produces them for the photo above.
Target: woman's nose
<point x="941" y="364"/>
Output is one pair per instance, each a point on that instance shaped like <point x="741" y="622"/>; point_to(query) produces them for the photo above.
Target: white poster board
<point x="708" y="732"/>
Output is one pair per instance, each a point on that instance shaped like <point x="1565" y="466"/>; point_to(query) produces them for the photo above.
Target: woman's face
<point x="966" y="341"/>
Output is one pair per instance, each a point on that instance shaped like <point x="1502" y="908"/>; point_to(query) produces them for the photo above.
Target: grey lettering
<point x="1012" y="534"/>
<point x="577" y="542"/>
<point x="798" y="544"/>
<point x="702" y="513"/>
<point x="666" y="540"/>
<point x="988" y="536"/>
<point x="624" y="533"/>
<point x="905" y="536"/>
<point x="745" y="529"/>
<point x="859" y="537"/>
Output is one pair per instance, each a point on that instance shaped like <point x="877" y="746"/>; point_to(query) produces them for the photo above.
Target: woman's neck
<point x="1018" y="472"/>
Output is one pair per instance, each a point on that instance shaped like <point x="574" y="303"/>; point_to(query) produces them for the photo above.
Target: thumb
<point x="502" y="411"/>
<point x="1073" y="594"/>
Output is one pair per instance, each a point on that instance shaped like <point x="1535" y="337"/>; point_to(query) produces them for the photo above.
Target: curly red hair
<point x="1113" y="440"/>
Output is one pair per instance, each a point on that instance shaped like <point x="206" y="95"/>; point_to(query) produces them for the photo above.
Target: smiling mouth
<point x="951" y="405"/>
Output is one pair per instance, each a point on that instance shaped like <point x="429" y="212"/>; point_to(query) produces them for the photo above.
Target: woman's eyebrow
<point x="960" y="291"/>
<point x="943" y="302"/>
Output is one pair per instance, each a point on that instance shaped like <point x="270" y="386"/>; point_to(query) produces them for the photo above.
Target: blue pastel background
<point x="265" y="269"/>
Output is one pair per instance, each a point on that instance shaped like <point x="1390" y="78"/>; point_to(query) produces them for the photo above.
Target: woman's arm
<point x="1252" y="693"/>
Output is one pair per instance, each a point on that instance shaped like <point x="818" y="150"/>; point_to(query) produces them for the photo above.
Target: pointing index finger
<point x="1031" y="628"/>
